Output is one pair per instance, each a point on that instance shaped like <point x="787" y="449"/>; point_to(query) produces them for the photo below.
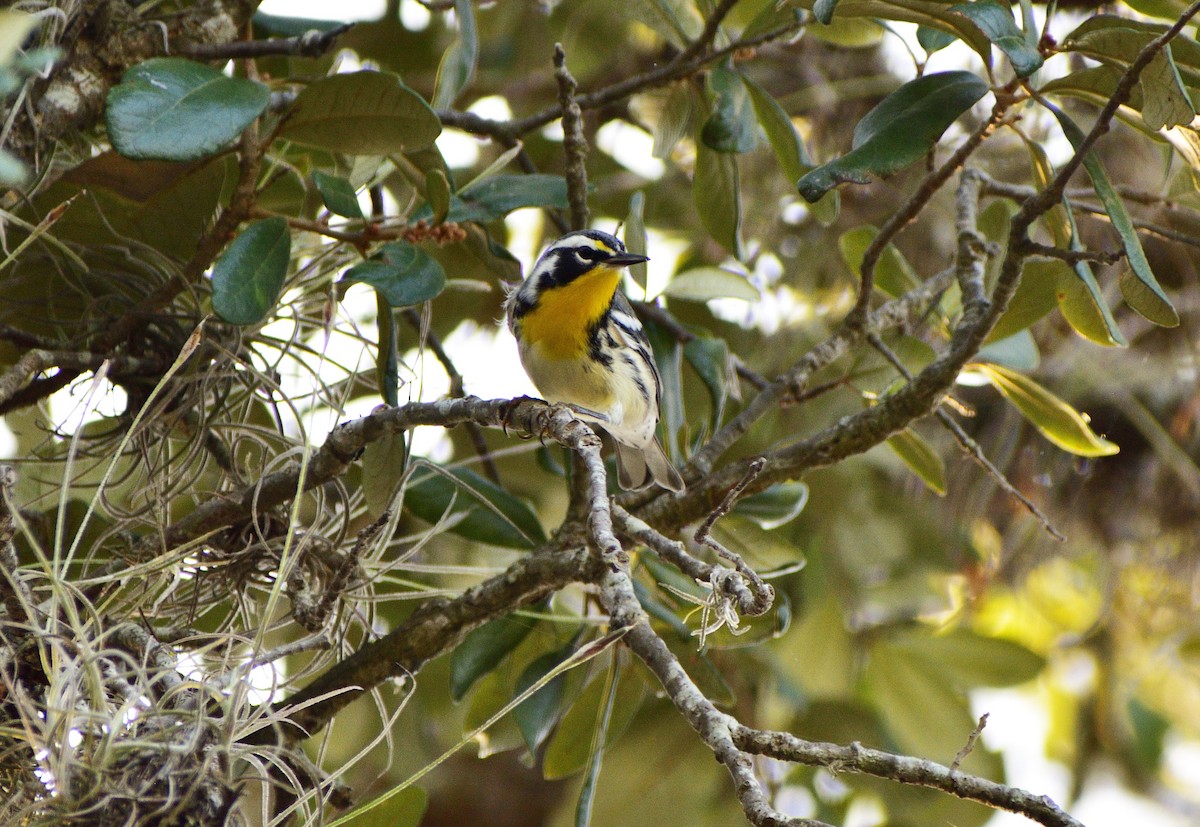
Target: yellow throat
<point x="558" y="327"/>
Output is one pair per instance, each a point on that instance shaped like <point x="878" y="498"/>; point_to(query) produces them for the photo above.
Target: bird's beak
<point x="625" y="259"/>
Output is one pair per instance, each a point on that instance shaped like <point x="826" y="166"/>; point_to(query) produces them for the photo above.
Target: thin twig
<point x="574" y="143"/>
<point x="934" y="181"/>
<point x="969" y="445"/>
<point x="312" y="43"/>
<point x="969" y="747"/>
<point x="1075" y="256"/>
<point x="511" y="130"/>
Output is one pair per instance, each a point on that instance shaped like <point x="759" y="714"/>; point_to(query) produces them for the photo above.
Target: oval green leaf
<point x="537" y="714"/>
<point x="569" y="749"/>
<point x="781" y="134"/>
<point x="635" y="236"/>
<point x="894" y="276"/>
<point x="933" y="39"/>
<point x="1057" y="421"/>
<point x="498" y="195"/>
<point x="437" y="193"/>
<point x="1149" y="298"/>
<point x="250" y="273"/>
<point x="403" y="274"/>
<point x="482" y="511"/>
<point x="997" y="23"/>
<point x="172" y="109"/>
<point x="972" y="660"/>
<point x="337" y="194"/>
<point x="703" y="283"/>
<point x="403" y="808"/>
<point x="1166" y="102"/>
<point x="775" y="507"/>
<point x="718" y="198"/>
<point x="921" y="459"/>
<point x="899" y="131"/>
<point x="709" y="357"/>
<point x="483" y="649"/>
<point x="361" y="113"/>
<point x="458" y="64"/>
<point x="732" y="126"/>
<point x="1082" y="304"/>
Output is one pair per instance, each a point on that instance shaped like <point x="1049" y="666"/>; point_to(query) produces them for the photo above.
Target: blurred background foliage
<point x="910" y="585"/>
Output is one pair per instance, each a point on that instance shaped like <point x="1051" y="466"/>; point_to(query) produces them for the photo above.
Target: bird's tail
<point x="638" y="467"/>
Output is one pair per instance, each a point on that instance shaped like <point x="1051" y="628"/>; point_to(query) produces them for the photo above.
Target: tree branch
<point x="313" y="43"/>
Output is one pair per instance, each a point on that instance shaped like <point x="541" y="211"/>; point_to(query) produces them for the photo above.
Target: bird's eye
<point x="587" y="253"/>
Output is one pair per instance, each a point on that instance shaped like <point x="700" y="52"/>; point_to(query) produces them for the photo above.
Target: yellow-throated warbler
<point x="582" y="346"/>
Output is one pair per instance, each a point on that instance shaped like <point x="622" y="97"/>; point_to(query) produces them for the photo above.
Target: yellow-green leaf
<point x="1057" y="421"/>
<point x="703" y="283"/>
<point x="921" y="459"/>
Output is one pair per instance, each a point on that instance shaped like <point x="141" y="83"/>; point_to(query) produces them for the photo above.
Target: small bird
<point x="583" y="347"/>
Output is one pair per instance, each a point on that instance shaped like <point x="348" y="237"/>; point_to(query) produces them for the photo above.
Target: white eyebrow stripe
<point x="575" y="241"/>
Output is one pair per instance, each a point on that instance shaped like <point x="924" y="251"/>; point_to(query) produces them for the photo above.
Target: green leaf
<point x="717" y="196"/>
<point x="996" y="22"/>
<point x="1074" y="287"/>
<point x="775" y="507"/>
<point x="849" y="32"/>
<point x="971" y="660"/>
<point x="537" y="714"/>
<point x="1057" y="421"/>
<point x="933" y="39"/>
<point x="709" y="357"/>
<point x="1018" y="351"/>
<point x="921" y="459"/>
<point x="676" y="21"/>
<point x="458" y="64"/>
<point x="899" y="131"/>
<point x="1036" y="296"/>
<point x="1165" y="99"/>
<point x="172" y="109"/>
<point x="635" y="236"/>
<point x="1082" y="304"/>
<point x="668" y="358"/>
<point x="1150" y="730"/>
<point x="894" y="276"/>
<point x="404" y="274"/>
<point x="403" y="809"/>
<point x="361" y="113"/>
<point x="337" y="194"/>
<point x="437" y="193"/>
<point x="483" y="649"/>
<point x="789" y="150"/>
<point x="249" y="275"/>
<point x="1148" y="298"/>
<point x="383" y="464"/>
<point x="675" y="120"/>
<point x="732" y="126"/>
<point x="823" y="10"/>
<point x="703" y="283"/>
<point x="482" y="510"/>
<point x="569" y="749"/>
<point x="781" y="134"/>
<point x="903" y="689"/>
<point x="1118" y="40"/>
<point x="15" y="26"/>
<point x="498" y="195"/>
